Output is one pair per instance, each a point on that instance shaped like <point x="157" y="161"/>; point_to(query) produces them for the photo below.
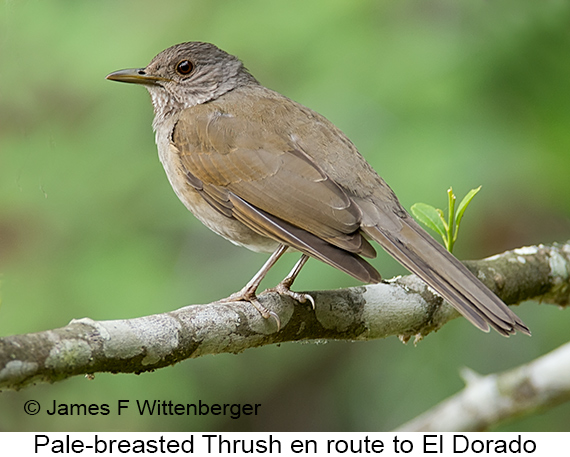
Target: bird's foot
<point x="283" y="289"/>
<point x="251" y="297"/>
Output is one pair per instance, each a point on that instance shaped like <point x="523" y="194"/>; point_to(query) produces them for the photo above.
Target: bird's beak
<point x="135" y="76"/>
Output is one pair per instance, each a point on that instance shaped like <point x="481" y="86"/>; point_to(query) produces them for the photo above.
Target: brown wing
<point x="249" y="172"/>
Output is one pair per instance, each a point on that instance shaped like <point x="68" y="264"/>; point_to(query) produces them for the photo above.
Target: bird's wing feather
<point x="303" y="241"/>
<point x="221" y="152"/>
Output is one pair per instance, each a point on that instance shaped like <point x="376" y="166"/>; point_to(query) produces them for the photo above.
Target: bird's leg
<point x="251" y="287"/>
<point x="284" y="287"/>
<point x="248" y="293"/>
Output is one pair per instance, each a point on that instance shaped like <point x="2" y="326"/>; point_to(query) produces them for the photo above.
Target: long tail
<point x="429" y="260"/>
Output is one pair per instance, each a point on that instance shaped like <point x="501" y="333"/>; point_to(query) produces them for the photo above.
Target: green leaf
<point x="450" y="209"/>
<point x="442" y="217"/>
<point x="463" y="206"/>
<point x="449" y="239"/>
<point x="430" y="217"/>
<point x="435" y="219"/>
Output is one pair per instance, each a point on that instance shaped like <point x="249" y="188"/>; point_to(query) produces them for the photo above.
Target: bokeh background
<point x="434" y="93"/>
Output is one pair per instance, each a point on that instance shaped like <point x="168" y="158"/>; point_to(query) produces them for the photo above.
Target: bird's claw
<point x="266" y="313"/>
<point x="283" y="289"/>
<point x="252" y="298"/>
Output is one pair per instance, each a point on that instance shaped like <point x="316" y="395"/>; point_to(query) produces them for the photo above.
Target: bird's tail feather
<point x="429" y="260"/>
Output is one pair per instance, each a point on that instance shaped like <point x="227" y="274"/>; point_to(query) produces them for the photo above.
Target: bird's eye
<point x="184" y="67"/>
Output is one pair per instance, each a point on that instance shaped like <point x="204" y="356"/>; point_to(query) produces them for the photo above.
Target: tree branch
<point x="404" y="306"/>
<point x="489" y="400"/>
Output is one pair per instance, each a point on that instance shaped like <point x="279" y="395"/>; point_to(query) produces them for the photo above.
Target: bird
<point x="272" y="175"/>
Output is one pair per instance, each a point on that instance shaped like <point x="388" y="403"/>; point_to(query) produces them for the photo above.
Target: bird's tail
<point x="414" y="248"/>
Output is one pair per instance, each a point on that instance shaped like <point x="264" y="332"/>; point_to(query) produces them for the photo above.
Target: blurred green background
<point x="434" y="93"/>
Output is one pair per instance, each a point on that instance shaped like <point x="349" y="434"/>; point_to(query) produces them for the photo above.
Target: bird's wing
<point x="249" y="172"/>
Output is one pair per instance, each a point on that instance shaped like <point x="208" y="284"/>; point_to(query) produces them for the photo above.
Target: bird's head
<point x="185" y="75"/>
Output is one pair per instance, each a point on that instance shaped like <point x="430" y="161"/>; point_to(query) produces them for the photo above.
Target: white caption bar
<point x="286" y="444"/>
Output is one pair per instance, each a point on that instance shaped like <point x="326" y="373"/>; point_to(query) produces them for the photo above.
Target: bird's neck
<point x="169" y="103"/>
<point x="165" y="107"/>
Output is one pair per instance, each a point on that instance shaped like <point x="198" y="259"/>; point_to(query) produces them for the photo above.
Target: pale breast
<point x="227" y="227"/>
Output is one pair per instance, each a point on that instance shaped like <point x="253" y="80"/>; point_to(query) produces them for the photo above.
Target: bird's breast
<point x="227" y="227"/>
